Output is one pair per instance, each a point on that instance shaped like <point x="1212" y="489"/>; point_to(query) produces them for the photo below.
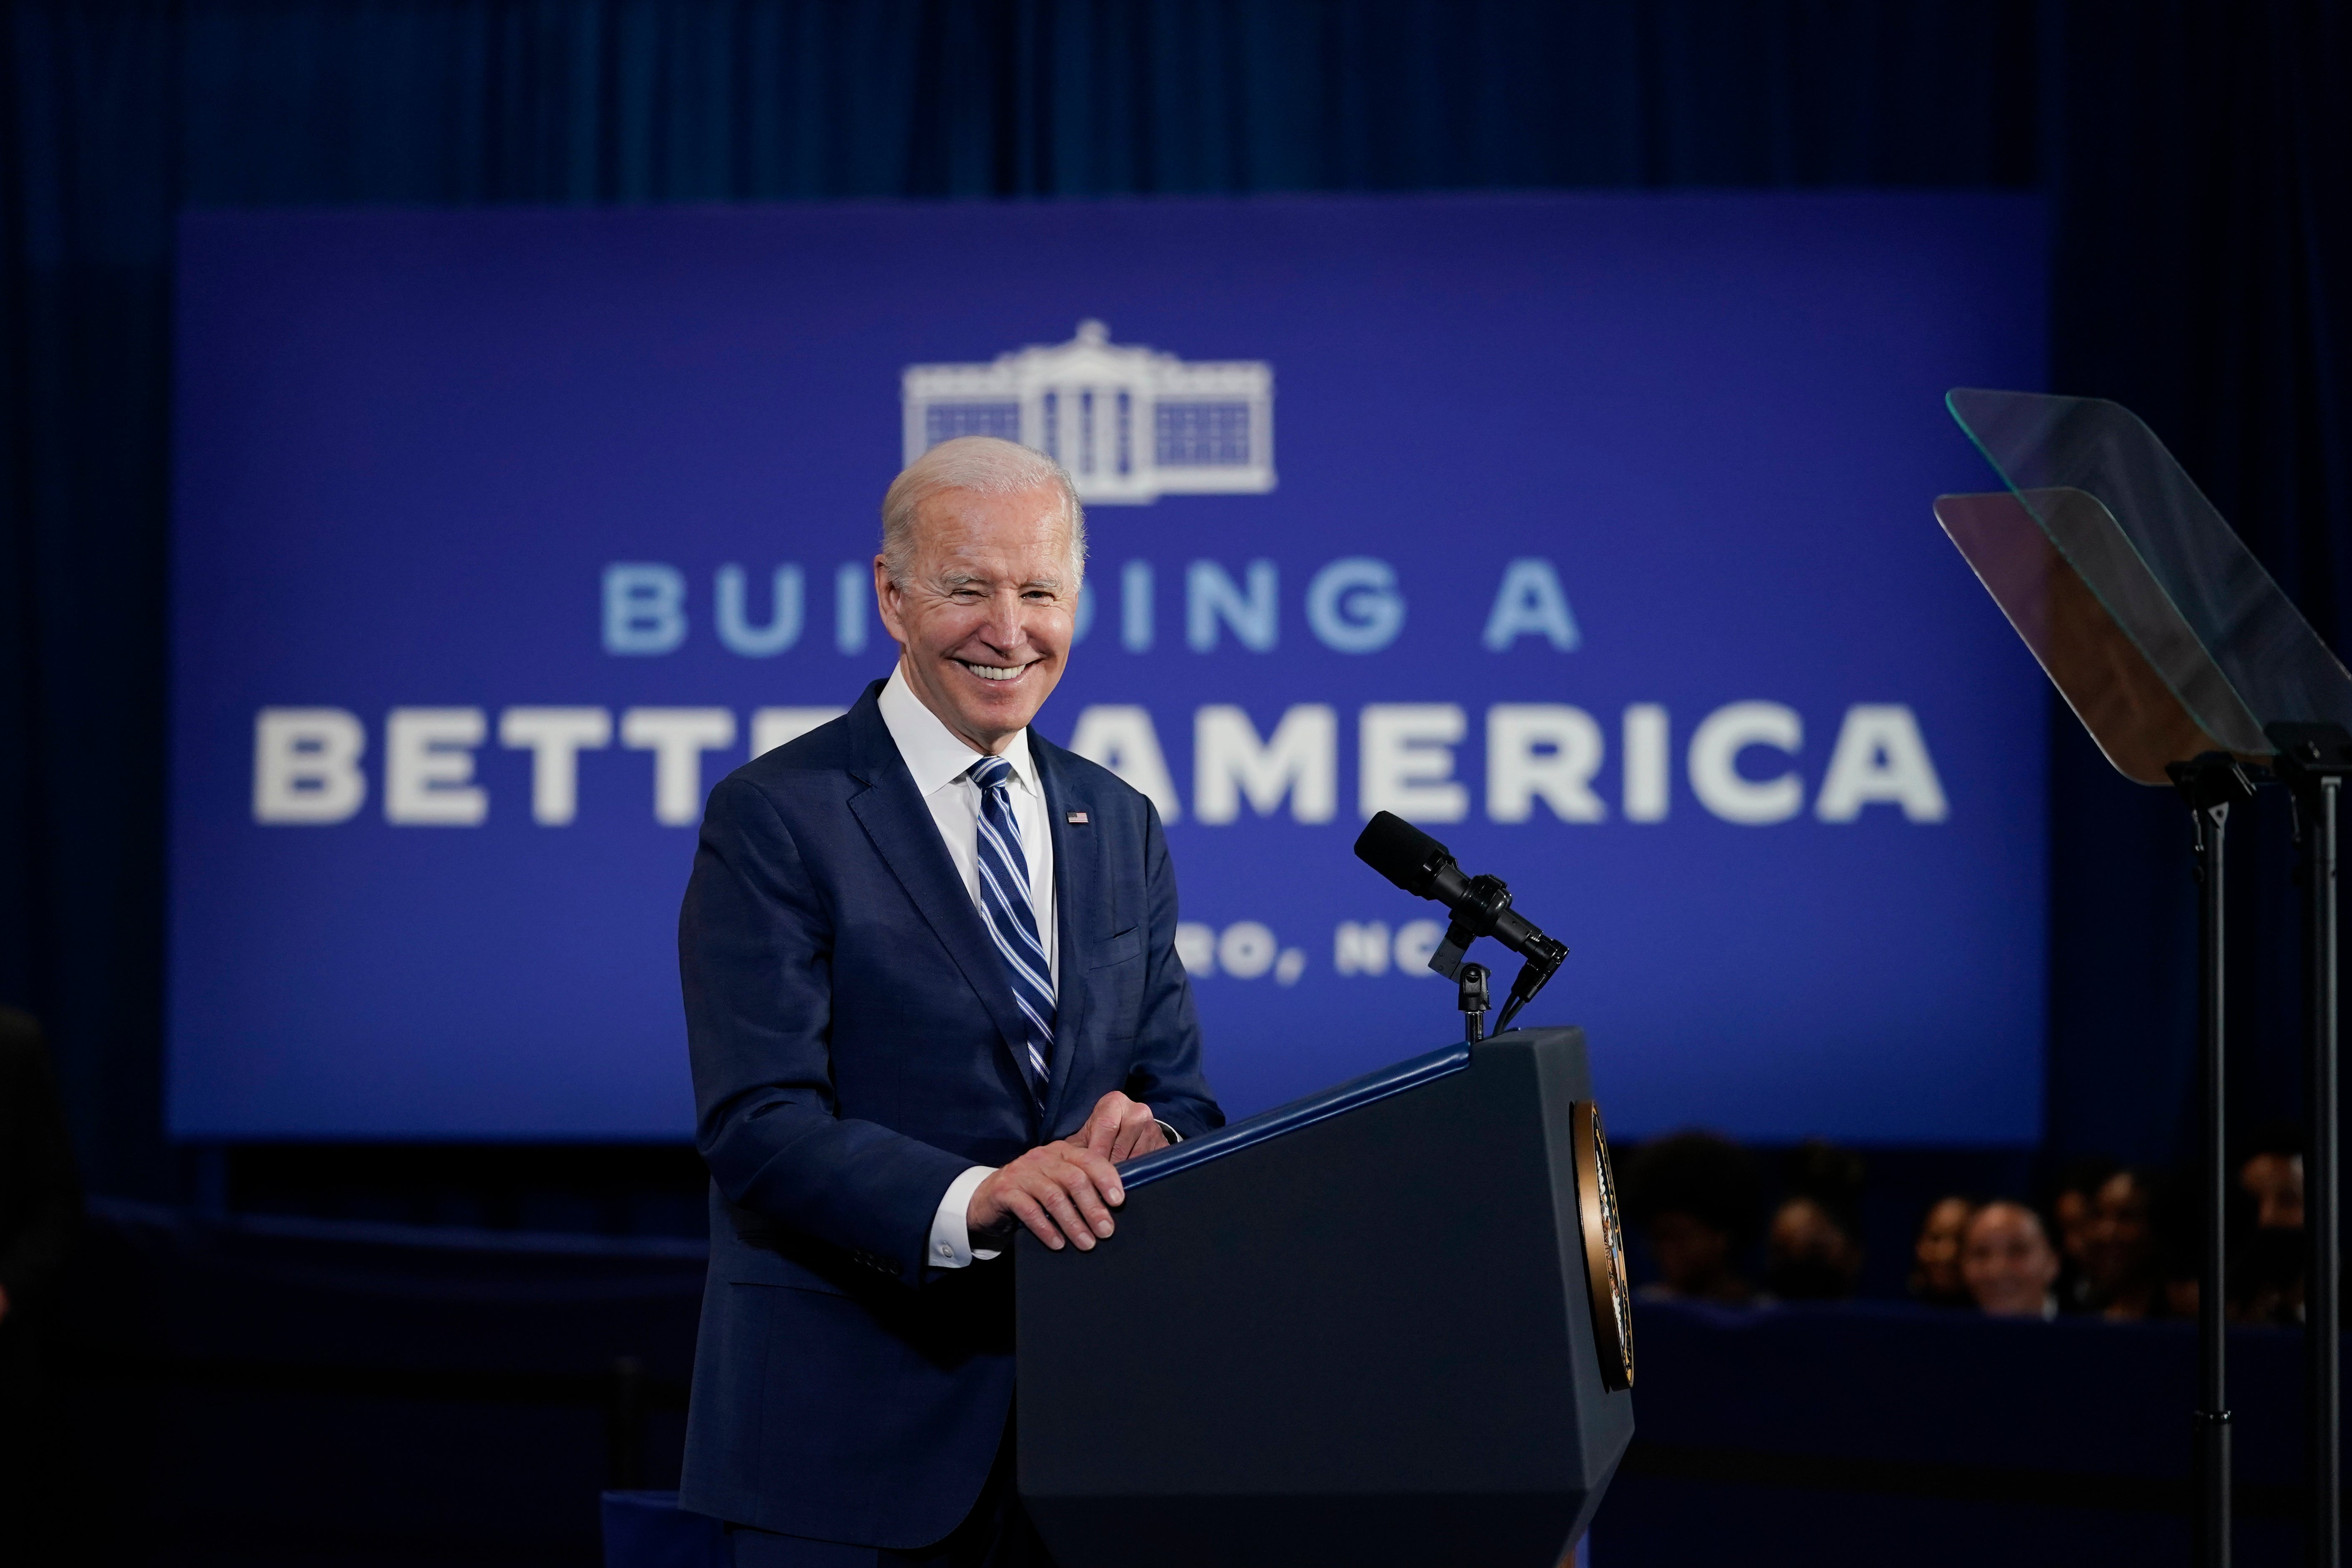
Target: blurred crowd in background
<point x="2103" y="1240"/>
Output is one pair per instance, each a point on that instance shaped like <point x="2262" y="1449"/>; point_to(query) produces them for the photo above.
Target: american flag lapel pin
<point x="1075" y="819"/>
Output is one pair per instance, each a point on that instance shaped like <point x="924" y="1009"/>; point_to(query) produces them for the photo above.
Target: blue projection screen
<point x="1590" y="534"/>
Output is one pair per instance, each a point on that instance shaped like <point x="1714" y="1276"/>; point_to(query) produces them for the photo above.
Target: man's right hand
<point x="1058" y="1190"/>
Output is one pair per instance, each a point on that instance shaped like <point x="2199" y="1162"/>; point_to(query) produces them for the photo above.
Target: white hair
<point x="983" y="464"/>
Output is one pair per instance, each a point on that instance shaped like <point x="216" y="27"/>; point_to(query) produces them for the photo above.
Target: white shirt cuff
<point x="950" y="1244"/>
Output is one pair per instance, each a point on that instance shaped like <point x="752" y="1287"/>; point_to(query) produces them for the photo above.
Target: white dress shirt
<point x="940" y="760"/>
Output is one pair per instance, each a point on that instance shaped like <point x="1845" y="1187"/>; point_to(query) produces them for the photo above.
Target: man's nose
<point x="1008" y="619"/>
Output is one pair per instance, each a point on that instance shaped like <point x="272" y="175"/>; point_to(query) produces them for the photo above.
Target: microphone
<point x="1481" y="906"/>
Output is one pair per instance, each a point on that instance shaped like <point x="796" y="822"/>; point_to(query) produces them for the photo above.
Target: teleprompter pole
<point x="2315" y="760"/>
<point x="2322" y="1265"/>
<point x="2211" y="784"/>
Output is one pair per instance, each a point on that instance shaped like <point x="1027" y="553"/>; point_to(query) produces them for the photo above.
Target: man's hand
<point x="1067" y="1189"/>
<point x="1061" y="1189"/>
<point x="1119" y="1130"/>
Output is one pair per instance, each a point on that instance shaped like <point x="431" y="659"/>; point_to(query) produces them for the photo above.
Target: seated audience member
<point x="1935" y="1255"/>
<point x="1810" y="1254"/>
<point x="2121" y="1256"/>
<point x="2273" y="1177"/>
<point x="2008" y="1262"/>
<point x="2072" y="1206"/>
<point x="1813" y="1243"/>
<point x="2266" y="1265"/>
<point x="1693" y="1196"/>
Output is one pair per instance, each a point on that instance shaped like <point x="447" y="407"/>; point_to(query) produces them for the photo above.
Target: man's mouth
<point x="994" y="671"/>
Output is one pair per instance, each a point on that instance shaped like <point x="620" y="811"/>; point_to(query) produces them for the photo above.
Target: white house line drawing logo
<point x="1129" y="425"/>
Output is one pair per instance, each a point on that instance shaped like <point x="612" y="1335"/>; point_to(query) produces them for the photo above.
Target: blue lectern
<point x="1384" y="1327"/>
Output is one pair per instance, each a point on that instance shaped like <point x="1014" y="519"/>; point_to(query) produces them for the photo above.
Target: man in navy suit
<point x="931" y="993"/>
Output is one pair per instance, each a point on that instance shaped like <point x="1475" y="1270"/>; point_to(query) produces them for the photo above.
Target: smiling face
<point x="985" y="609"/>
<point x="2007" y="1262"/>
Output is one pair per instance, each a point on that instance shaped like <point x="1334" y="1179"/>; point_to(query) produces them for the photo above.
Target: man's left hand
<point x="1119" y="1129"/>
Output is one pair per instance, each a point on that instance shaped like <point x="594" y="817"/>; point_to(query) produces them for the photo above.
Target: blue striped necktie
<point x="1005" y="900"/>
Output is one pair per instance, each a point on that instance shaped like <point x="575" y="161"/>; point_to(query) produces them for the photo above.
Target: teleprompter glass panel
<point x="2114" y="687"/>
<point x="2157" y="622"/>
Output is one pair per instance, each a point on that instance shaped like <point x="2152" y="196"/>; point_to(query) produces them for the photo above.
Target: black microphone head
<point x="1402" y="852"/>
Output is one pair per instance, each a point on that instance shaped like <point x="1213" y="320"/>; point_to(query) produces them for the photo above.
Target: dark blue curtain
<point x="2202" y="160"/>
<point x="2197" y="153"/>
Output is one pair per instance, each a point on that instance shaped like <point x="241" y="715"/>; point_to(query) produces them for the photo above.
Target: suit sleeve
<point x="755" y="954"/>
<point x="1166" y="1074"/>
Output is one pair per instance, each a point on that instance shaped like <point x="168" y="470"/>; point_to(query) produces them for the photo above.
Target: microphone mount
<point x="1480" y="906"/>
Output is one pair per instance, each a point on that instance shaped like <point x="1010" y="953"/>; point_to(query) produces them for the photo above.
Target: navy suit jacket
<point x="854" y="1040"/>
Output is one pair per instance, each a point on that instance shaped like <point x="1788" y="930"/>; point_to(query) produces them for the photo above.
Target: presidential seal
<point x="1604" y="1248"/>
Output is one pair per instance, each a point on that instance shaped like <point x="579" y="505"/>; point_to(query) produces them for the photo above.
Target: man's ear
<point x="886" y="600"/>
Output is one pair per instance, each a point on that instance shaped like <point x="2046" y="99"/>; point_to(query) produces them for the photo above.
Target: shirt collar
<point x="934" y="753"/>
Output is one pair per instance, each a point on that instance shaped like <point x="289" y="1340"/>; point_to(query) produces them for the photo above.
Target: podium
<point x="1360" y="1329"/>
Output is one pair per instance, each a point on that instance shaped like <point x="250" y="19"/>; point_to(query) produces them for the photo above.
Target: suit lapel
<point x="900" y="828"/>
<point x="1080" y="912"/>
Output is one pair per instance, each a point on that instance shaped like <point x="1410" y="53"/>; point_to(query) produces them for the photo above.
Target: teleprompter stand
<point x="2189" y="666"/>
<point x="2211" y="784"/>
<point x="1382" y="1327"/>
<point x="2314" y="760"/>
